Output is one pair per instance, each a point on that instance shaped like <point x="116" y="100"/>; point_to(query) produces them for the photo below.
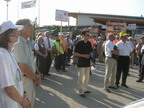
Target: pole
<point x="61" y="27"/>
<point x="68" y="21"/>
<point x="7" y="10"/>
<point x="39" y="12"/>
<point x="7" y="7"/>
<point x="18" y="10"/>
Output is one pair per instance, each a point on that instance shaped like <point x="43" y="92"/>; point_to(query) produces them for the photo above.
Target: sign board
<point x="131" y="27"/>
<point x="28" y="4"/>
<point x="115" y="27"/>
<point x="61" y="15"/>
<point x="93" y="31"/>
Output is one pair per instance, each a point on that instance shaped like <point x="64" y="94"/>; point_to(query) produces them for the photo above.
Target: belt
<point x="123" y="56"/>
<point x="109" y="57"/>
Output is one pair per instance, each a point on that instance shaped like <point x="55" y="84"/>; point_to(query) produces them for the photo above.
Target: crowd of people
<point x="24" y="62"/>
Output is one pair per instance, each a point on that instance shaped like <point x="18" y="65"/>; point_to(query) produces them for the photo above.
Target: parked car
<point x="136" y="104"/>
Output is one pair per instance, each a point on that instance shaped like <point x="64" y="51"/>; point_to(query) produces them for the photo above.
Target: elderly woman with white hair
<point x="11" y="88"/>
<point x="41" y="54"/>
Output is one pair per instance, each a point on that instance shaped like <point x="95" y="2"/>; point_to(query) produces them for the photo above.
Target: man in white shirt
<point x="124" y="60"/>
<point x="48" y="42"/>
<point x="110" y="63"/>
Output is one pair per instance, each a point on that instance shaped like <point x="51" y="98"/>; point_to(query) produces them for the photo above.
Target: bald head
<point x="111" y="36"/>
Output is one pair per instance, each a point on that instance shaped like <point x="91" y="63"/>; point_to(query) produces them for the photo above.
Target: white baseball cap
<point x="78" y="36"/>
<point x="8" y="25"/>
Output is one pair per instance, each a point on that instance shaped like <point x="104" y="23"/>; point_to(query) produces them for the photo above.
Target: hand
<point x="116" y="52"/>
<point x="45" y="55"/>
<point x="38" y="80"/>
<point x="94" y="65"/>
<point x="26" y="103"/>
<point x="87" y="56"/>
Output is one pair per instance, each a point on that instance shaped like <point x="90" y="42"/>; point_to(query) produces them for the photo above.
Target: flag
<point x="28" y="4"/>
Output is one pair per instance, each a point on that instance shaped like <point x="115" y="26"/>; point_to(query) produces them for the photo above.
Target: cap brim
<point x="17" y="27"/>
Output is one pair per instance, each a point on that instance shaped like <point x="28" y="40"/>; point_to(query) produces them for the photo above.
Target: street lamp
<point x="7" y="7"/>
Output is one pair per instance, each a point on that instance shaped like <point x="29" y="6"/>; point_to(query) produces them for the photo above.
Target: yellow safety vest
<point x="58" y="47"/>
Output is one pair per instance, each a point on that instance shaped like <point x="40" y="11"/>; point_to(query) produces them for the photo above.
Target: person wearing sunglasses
<point x="83" y="50"/>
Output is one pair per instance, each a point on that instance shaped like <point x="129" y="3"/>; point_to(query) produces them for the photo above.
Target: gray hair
<point x="23" y="22"/>
<point x="46" y="32"/>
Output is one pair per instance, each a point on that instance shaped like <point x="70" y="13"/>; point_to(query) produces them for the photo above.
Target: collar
<point x="3" y="50"/>
<point x="22" y="39"/>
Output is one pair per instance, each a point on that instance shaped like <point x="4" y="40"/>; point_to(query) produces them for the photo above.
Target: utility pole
<point x="7" y="7"/>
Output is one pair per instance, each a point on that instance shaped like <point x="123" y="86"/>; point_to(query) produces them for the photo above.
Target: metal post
<point x="18" y="11"/>
<point x="7" y="10"/>
<point x="61" y="27"/>
<point x="7" y="7"/>
<point x="39" y="13"/>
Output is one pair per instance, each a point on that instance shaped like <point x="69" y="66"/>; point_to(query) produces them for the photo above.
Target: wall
<point x="84" y="20"/>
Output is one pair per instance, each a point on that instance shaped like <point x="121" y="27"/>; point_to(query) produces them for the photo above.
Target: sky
<point x="48" y="8"/>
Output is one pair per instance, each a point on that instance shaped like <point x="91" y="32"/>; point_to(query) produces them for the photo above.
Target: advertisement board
<point x="115" y="27"/>
<point x="93" y="31"/>
<point x="61" y="15"/>
<point x="131" y="27"/>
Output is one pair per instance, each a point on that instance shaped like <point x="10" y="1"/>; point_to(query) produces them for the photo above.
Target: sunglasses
<point x="87" y="35"/>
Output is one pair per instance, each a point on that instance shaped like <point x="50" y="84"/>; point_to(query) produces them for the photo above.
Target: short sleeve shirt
<point x="36" y="46"/>
<point x="23" y="53"/>
<point x="108" y="48"/>
<point x="83" y="48"/>
<point x="46" y="43"/>
<point x="10" y="75"/>
<point x="124" y="48"/>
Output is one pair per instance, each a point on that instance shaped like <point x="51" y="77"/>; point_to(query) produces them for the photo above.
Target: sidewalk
<point x="60" y="90"/>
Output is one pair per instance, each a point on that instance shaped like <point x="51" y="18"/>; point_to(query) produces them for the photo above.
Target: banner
<point x="131" y="27"/>
<point x="61" y="15"/>
<point x="28" y="4"/>
<point x="115" y="27"/>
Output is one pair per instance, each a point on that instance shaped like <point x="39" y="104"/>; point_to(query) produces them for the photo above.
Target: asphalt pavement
<point x="60" y="90"/>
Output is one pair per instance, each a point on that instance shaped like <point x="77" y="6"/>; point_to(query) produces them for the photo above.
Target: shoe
<point x="116" y="86"/>
<point x="124" y="85"/>
<point x="87" y="92"/>
<point x="57" y="70"/>
<point x="107" y="90"/>
<point x="49" y="74"/>
<point x="64" y="70"/>
<point x="138" y="80"/>
<point x="112" y="87"/>
<point x="83" y="95"/>
<point x="67" y="64"/>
